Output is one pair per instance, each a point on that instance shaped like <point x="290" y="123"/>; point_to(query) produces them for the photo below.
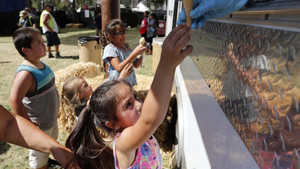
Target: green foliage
<point x="127" y="3"/>
<point x="36" y="4"/>
<point x="157" y="1"/>
<point x="62" y="4"/>
<point x="66" y="4"/>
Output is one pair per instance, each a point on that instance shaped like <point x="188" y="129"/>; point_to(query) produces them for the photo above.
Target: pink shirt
<point x="148" y="155"/>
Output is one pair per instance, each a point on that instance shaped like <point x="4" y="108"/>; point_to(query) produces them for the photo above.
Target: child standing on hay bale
<point x="34" y="95"/>
<point x="130" y="122"/>
<point x="118" y="53"/>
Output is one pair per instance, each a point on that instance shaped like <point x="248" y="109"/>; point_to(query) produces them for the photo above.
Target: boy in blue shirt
<point x="34" y="95"/>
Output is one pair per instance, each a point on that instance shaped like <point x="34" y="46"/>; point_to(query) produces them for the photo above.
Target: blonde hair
<point x="71" y="91"/>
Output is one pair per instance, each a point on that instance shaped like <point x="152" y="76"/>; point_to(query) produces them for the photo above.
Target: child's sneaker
<point x="53" y="164"/>
<point x="57" y="55"/>
<point x="50" y="55"/>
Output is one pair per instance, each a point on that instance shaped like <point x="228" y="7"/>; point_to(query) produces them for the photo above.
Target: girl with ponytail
<point x="115" y="108"/>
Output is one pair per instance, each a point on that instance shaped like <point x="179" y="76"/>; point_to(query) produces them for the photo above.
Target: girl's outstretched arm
<point x="174" y="50"/>
<point x="17" y="130"/>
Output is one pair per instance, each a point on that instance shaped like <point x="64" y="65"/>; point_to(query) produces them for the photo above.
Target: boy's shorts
<point x="52" y="39"/>
<point x="38" y="159"/>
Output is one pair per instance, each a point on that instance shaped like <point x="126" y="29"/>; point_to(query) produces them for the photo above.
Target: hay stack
<point x="78" y="25"/>
<point x="165" y="133"/>
<point x="70" y="25"/>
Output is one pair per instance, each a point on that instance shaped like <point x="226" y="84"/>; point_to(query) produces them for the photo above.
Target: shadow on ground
<point x="4" y="147"/>
<point x="5" y="62"/>
<point x="70" y="57"/>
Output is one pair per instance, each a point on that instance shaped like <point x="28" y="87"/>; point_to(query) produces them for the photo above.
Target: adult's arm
<point x="46" y="17"/>
<point x="17" y="130"/>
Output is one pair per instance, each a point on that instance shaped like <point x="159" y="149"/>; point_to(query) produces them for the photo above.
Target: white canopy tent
<point x="140" y="7"/>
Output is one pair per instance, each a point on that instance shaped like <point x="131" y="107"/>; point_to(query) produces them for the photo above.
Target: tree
<point x="60" y="4"/>
<point x="157" y="1"/>
<point x="127" y="3"/>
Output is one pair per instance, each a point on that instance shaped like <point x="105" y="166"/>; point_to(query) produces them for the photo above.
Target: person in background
<point x="144" y="25"/>
<point x="19" y="131"/>
<point x="151" y="30"/>
<point x="118" y="53"/>
<point x="98" y="23"/>
<point x="25" y="20"/>
<point x="50" y="29"/>
<point x="131" y="123"/>
<point x="85" y="7"/>
<point x="203" y="10"/>
<point x="34" y="95"/>
<point x="32" y="12"/>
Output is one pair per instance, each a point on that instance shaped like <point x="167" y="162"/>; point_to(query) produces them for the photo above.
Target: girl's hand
<point x="139" y="50"/>
<point x="126" y="71"/>
<point x="174" y="48"/>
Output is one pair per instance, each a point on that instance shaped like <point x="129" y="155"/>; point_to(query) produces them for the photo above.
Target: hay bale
<point x="143" y="82"/>
<point x="70" y="25"/>
<point x="78" y="25"/>
<point x="165" y="133"/>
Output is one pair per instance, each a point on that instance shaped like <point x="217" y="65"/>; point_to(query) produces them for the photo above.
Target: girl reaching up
<point x="130" y="123"/>
<point x="118" y="53"/>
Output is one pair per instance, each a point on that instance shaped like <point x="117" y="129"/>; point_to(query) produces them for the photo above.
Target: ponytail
<point x="104" y="42"/>
<point x="67" y="117"/>
<point x="85" y="141"/>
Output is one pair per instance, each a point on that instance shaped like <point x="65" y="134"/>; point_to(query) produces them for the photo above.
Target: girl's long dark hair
<point x="89" y="148"/>
<point x="85" y="141"/>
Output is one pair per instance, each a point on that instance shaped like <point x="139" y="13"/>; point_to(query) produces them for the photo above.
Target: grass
<point x="12" y="156"/>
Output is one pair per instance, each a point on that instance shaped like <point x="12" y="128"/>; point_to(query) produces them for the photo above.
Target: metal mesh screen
<point x="254" y="74"/>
